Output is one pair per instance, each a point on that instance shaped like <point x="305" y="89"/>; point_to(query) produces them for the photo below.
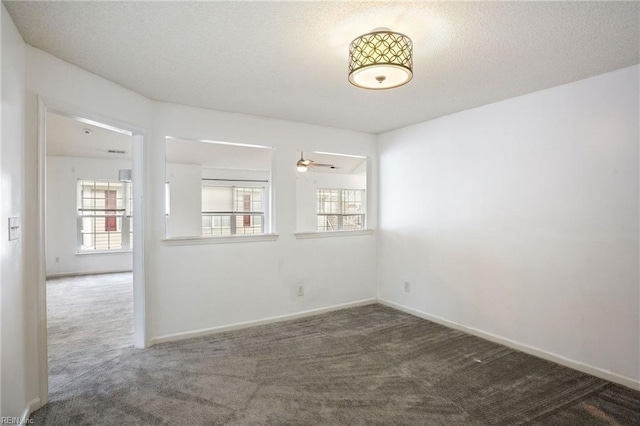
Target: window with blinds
<point x="104" y="216"/>
<point x="231" y="209"/>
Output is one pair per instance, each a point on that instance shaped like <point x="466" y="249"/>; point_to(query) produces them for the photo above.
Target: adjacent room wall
<point x="62" y="182"/>
<point x="185" y="182"/>
<point x="520" y="219"/>
<point x="17" y="316"/>
<point x="198" y="287"/>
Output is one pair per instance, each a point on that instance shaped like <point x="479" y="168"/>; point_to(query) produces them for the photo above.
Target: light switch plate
<point x="14" y="228"/>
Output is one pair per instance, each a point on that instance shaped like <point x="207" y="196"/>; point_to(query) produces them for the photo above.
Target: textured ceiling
<point x="289" y="59"/>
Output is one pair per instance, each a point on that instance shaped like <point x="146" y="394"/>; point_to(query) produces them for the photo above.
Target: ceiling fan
<point x="302" y="165"/>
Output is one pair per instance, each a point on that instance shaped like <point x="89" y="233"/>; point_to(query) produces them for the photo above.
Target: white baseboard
<point x="80" y="274"/>
<point x="585" y="368"/>
<point x="207" y="331"/>
<point x="32" y="406"/>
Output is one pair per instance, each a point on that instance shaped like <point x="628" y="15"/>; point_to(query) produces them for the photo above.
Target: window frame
<point x="341" y="214"/>
<point x="125" y="214"/>
<point x="234" y="213"/>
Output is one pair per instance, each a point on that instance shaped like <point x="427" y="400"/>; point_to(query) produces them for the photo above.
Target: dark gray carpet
<point x="370" y="365"/>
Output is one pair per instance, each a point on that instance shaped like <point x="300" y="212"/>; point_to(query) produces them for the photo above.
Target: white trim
<point x="32" y="406"/>
<point x="83" y="273"/>
<point x="92" y="252"/>
<point x="251" y="238"/>
<point x="138" y="179"/>
<point x="329" y="234"/>
<point x="558" y="359"/>
<point x="43" y="361"/>
<point x="223" y="328"/>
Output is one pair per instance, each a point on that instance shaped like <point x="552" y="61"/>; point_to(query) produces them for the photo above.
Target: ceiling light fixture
<point x="302" y="164"/>
<point x="381" y="59"/>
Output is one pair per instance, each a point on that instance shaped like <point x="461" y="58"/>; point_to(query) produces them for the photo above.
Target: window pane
<point x="101" y="208"/>
<point x="352" y="222"/>
<point x="248" y="199"/>
<point x="328" y="200"/>
<point x="249" y="224"/>
<point x="96" y="237"/>
<point x="213" y="225"/>
<point x="101" y="195"/>
<point x="328" y="223"/>
<point x="352" y="201"/>
<point x="232" y="199"/>
<point x="217" y="199"/>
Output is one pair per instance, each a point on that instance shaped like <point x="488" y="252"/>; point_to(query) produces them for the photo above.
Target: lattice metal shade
<point x="381" y="59"/>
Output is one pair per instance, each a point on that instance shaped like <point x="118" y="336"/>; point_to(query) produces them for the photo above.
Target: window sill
<point x="82" y="253"/>
<point x="330" y="234"/>
<point x="187" y="241"/>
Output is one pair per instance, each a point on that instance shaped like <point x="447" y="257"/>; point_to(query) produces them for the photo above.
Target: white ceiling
<point x="217" y="156"/>
<point x="66" y="137"/>
<point x="344" y="164"/>
<point x="289" y="59"/>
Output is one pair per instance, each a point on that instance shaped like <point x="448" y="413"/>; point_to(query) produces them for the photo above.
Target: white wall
<point x="203" y="286"/>
<point x="520" y="219"/>
<point x="185" y="182"/>
<point x="16" y="317"/>
<point x="307" y="184"/>
<point x="61" y="221"/>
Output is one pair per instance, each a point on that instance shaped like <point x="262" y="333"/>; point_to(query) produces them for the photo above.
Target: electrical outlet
<point x="300" y="290"/>
<point x="407" y="286"/>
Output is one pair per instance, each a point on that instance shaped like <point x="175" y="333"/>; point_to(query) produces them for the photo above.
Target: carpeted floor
<point x="370" y="365"/>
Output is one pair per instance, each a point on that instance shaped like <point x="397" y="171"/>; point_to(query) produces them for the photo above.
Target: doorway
<point x="92" y="298"/>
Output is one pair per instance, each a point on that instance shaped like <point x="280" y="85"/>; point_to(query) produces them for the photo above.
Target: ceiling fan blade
<point x="322" y="165"/>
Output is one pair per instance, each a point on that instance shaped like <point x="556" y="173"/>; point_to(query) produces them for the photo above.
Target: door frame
<point x="141" y="338"/>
